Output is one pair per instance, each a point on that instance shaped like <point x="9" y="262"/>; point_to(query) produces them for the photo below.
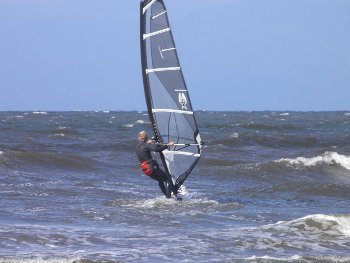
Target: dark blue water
<point x="270" y="187"/>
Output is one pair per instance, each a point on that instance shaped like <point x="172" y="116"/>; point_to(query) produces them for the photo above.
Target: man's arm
<point x="156" y="147"/>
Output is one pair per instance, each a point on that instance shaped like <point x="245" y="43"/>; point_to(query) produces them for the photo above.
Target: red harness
<point x="148" y="167"/>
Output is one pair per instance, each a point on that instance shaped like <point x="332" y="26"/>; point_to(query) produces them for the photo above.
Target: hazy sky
<point x="236" y="54"/>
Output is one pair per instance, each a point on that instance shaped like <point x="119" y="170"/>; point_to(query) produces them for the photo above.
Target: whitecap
<point x="129" y="125"/>
<point x="141" y="122"/>
<point x="327" y="158"/>
<point x="347" y="114"/>
<point x="59" y="135"/>
<point x="40" y="112"/>
<point x="285" y="114"/>
<point x="234" y="135"/>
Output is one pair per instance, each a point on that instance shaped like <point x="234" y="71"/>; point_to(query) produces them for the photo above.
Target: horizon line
<point x="200" y="110"/>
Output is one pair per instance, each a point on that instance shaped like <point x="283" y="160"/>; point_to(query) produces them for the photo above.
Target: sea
<point x="269" y="187"/>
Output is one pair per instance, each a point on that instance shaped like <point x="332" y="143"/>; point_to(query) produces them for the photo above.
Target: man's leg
<point x="165" y="182"/>
<point x="163" y="188"/>
<point x="158" y="175"/>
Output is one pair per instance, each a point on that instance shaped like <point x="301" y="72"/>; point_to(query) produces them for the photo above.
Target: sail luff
<point x="146" y="83"/>
<point x="168" y="102"/>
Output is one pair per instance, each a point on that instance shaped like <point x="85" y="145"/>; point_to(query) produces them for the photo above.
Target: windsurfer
<point x="150" y="166"/>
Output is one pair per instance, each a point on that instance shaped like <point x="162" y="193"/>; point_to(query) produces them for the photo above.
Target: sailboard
<point x="167" y="97"/>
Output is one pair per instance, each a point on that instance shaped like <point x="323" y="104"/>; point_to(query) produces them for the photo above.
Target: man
<point x="150" y="166"/>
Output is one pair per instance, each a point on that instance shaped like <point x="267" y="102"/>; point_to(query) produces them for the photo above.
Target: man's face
<point x="142" y="137"/>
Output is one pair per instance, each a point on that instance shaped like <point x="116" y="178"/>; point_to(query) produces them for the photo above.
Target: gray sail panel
<point x="167" y="97"/>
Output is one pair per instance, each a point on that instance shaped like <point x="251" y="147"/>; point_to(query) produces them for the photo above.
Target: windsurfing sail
<point x="167" y="97"/>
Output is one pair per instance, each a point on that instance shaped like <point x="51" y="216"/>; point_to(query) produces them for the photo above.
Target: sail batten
<point x="148" y="5"/>
<point x="162" y="69"/>
<point x="184" y="153"/>
<point x="172" y="111"/>
<point x="145" y="36"/>
<point x="168" y="102"/>
<point x="162" y="13"/>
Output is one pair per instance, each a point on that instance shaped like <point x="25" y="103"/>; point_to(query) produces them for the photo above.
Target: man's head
<point x="143" y="137"/>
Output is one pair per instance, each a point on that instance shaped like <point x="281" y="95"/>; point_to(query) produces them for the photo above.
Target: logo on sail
<point x="183" y="100"/>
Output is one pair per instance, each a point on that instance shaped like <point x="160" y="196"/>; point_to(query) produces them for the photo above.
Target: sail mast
<point x="146" y="84"/>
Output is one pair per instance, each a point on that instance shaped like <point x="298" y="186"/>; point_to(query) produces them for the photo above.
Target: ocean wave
<point x="297" y="259"/>
<point x="332" y="225"/>
<point x="256" y="138"/>
<point x="328" y="158"/>
<point x="269" y="126"/>
<point x="319" y="234"/>
<point x="9" y="158"/>
<point x="43" y="260"/>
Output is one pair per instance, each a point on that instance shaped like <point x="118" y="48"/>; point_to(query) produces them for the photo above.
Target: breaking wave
<point x="328" y="158"/>
<point x="332" y="225"/>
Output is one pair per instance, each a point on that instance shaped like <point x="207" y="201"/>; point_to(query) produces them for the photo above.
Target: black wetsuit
<point x="143" y="152"/>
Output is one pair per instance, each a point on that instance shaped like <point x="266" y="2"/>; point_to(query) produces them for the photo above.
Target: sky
<point x="236" y="55"/>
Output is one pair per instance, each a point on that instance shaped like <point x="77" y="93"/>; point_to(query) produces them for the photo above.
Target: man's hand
<point x="150" y="141"/>
<point x="170" y="144"/>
